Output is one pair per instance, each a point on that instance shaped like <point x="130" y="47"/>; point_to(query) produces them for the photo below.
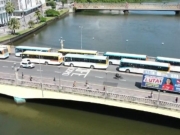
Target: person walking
<point x="22" y="75"/>
<point x="151" y="95"/>
<point x="176" y="100"/>
<point x="86" y="83"/>
<point x="74" y="84"/>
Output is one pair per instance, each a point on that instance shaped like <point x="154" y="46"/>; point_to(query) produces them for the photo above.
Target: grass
<point x="29" y="29"/>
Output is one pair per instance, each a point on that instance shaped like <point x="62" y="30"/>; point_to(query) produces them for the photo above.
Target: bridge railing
<point x="91" y="93"/>
<point x="130" y="6"/>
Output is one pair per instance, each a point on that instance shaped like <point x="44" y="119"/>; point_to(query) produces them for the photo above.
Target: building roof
<point x="125" y="55"/>
<point x="168" y="59"/>
<point x="86" y="56"/>
<point x="42" y="53"/>
<point x="145" y="62"/>
<point x="163" y="74"/>
<point x="29" y="47"/>
<point x="77" y="50"/>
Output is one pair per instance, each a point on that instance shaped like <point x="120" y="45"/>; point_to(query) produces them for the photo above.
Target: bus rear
<point x="4" y="53"/>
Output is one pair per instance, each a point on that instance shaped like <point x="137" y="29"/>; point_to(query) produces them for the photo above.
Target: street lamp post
<point x="159" y="92"/>
<point x="16" y="69"/>
<point x="61" y="42"/>
<point x="59" y="77"/>
<point x="40" y="75"/>
<point x="81" y="27"/>
<point x="127" y="44"/>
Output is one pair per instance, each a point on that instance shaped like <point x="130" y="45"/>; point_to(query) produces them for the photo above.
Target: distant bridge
<point x="126" y="7"/>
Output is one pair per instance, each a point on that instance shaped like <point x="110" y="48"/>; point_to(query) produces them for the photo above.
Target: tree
<point x="63" y="1"/>
<point x="31" y="24"/>
<point x="52" y="4"/>
<point x="13" y="24"/>
<point x="38" y="15"/>
<point x="9" y="7"/>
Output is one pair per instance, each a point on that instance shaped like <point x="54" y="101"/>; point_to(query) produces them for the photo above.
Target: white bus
<point x="175" y="63"/>
<point x="138" y="66"/>
<point x="90" y="61"/>
<point x="77" y="51"/>
<point x="50" y="58"/>
<point x="20" y="49"/>
<point x="114" y="57"/>
<point x="4" y="53"/>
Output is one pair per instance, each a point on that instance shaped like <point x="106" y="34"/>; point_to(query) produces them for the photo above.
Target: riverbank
<point x="20" y="34"/>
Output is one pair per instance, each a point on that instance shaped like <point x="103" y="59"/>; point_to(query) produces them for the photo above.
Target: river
<point x="69" y="118"/>
<point x="151" y="33"/>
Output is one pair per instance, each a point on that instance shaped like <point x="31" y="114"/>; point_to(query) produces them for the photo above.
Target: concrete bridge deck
<point x="32" y="90"/>
<point x="131" y="6"/>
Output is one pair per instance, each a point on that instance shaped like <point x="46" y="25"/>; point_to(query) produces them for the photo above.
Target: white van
<point x="26" y="64"/>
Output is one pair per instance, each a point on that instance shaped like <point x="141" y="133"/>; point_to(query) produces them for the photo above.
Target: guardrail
<point x="92" y="93"/>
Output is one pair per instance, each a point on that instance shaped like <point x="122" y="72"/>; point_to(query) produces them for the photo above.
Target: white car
<point x="26" y="64"/>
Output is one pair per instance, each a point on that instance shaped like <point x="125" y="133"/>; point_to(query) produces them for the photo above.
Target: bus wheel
<point x="46" y="63"/>
<point x="71" y="65"/>
<point x="110" y="63"/>
<point x="127" y="71"/>
<point x="92" y="67"/>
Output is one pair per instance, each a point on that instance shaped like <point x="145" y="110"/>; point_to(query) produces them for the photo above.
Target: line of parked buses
<point x="133" y="63"/>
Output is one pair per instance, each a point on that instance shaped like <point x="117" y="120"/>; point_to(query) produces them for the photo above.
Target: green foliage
<point x="13" y="24"/>
<point x="43" y="19"/>
<point x="52" y="4"/>
<point x="38" y="15"/>
<point x="31" y="24"/>
<point x="9" y="7"/>
<point x="52" y="12"/>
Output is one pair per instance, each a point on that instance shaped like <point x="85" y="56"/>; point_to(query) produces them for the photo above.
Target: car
<point x="26" y="64"/>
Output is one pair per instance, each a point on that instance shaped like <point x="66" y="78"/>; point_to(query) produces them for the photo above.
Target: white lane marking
<point x="5" y="66"/>
<point x="68" y="71"/>
<point x="87" y="73"/>
<point x="39" y="70"/>
<point x="98" y="77"/>
<point x="57" y="72"/>
<point x="123" y="80"/>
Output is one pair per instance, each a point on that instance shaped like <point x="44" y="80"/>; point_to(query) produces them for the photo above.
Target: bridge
<point x="126" y="7"/>
<point x="24" y="89"/>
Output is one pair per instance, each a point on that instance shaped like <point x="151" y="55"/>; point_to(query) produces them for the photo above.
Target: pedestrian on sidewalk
<point x="176" y="100"/>
<point x="86" y="83"/>
<point x="74" y="84"/>
<point x="30" y="78"/>
<point x="151" y="95"/>
<point x="22" y="75"/>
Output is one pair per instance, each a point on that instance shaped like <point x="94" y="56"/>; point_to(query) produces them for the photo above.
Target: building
<point x="4" y="17"/>
<point x="27" y="6"/>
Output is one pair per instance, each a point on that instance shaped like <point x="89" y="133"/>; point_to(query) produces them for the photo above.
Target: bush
<point x="43" y="19"/>
<point x="52" y="12"/>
